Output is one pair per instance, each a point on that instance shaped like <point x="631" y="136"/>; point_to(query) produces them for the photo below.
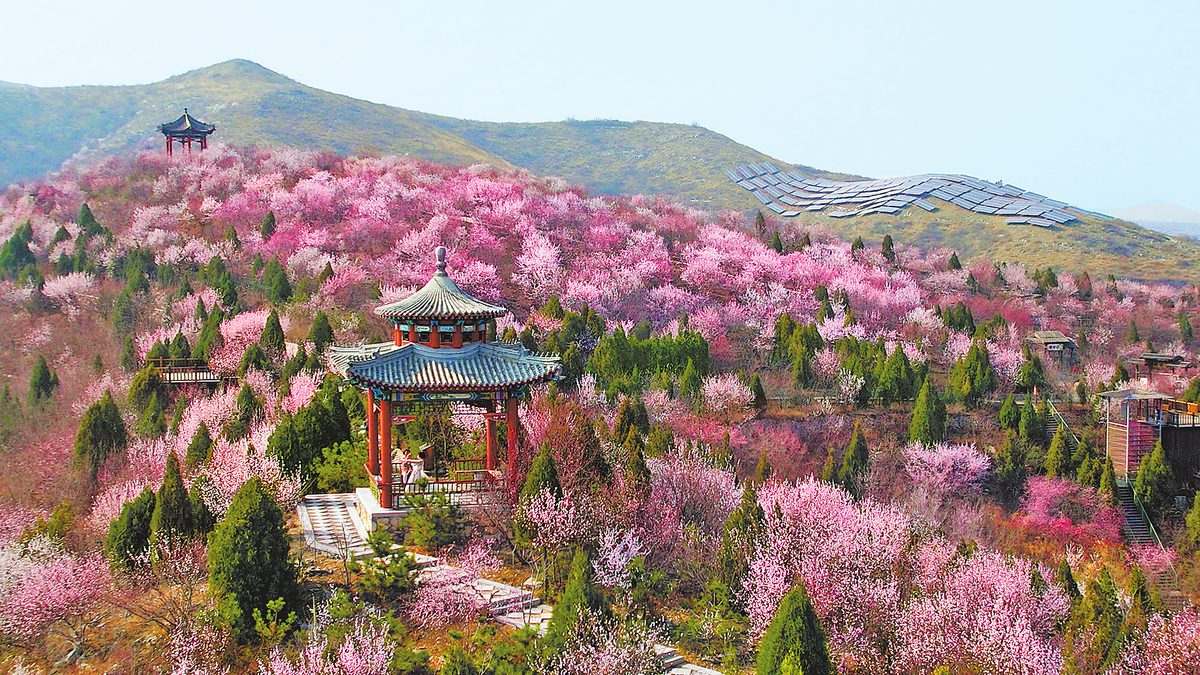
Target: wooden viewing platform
<point x="184" y="371"/>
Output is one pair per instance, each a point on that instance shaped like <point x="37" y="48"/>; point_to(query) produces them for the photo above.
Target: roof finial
<point x="185" y="111"/>
<point x="441" y="260"/>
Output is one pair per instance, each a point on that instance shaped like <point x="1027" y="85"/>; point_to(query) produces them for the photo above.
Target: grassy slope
<point x="42" y="128"/>
<point x="1096" y="245"/>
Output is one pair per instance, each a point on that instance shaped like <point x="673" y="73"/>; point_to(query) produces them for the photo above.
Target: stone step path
<point x="331" y="525"/>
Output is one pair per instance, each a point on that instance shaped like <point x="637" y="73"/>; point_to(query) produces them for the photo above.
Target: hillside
<point x="41" y="128"/>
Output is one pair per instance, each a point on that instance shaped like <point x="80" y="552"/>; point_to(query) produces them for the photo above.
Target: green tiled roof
<point x="479" y="366"/>
<point x="440" y="298"/>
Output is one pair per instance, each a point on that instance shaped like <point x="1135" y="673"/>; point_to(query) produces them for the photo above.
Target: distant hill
<point x="1158" y="212"/>
<point x="43" y="128"/>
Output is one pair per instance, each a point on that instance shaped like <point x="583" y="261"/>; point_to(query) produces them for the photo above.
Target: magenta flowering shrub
<point x="45" y="590"/>
<point x="1061" y="509"/>
<point x="1170" y="646"/>
<point x="947" y="470"/>
<point x="690" y="498"/>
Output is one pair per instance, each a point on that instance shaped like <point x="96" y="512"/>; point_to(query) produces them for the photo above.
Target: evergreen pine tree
<point x="543" y="475"/>
<point x="129" y="356"/>
<point x="928" y="423"/>
<point x="321" y="334"/>
<point x="97" y="365"/>
<point x="180" y="349"/>
<point x="1143" y="602"/>
<point x="829" y="471"/>
<point x="1133" y="335"/>
<point x="1064" y="579"/>
<point x="129" y="535"/>
<point x="101" y="432"/>
<point x="580" y="594"/>
<point x="268" y="226"/>
<point x="854" y="461"/>
<point x="739" y="540"/>
<point x="1108" y="484"/>
<point x="198" y="451"/>
<point x="1185" y="328"/>
<point x="1155" y="483"/>
<point x="272" y="339"/>
<point x="203" y="518"/>
<point x="1031" y="429"/>
<point x="1098" y="617"/>
<point x="1058" y="459"/>
<point x="42" y="382"/>
<point x="637" y="476"/>
<point x="1010" y="414"/>
<point x="177" y="416"/>
<point x="776" y="243"/>
<point x="660" y="442"/>
<point x="762" y="470"/>
<point x="887" y="248"/>
<point x="172" y="520"/>
<point x="689" y="383"/>
<point x="1191" y="538"/>
<point x="248" y="560"/>
<point x="760" y="396"/>
<point x="794" y="643"/>
<point x="954" y="262"/>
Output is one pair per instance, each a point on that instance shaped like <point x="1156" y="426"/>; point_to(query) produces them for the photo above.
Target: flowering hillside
<point x="746" y="407"/>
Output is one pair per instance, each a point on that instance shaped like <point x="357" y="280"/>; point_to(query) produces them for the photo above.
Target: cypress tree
<point x="1108" y="484"/>
<point x="180" y="349"/>
<point x="268" y="226"/>
<point x="1031" y="429"/>
<point x="248" y="560"/>
<point x="272" y="339"/>
<point x="101" y="432"/>
<point x="660" y="442"/>
<point x="146" y="385"/>
<point x="42" y="382"/>
<point x="760" y="396"/>
<point x="1058" y="459"/>
<point x="829" y="472"/>
<point x="129" y="356"/>
<point x="202" y="517"/>
<point x="854" y="461"/>
<point x="581" y="594"/>
<point x="1155" y="483"/>
<point x="954" y="262"/>
<point x="739" y="540"/>
<point x="1063" y="578"/>
<point x="1133" y="335"/>
<point x="200" y="447"/>
<point x="153" y="421"/>
<point x="887" y="248"/>
<point x="1098" y="617"/>
<point x="776" y="243"/>
<point x="129" y="535"/>
<point x="172" y="520"/>
<point x="638" y="474"/>
<point x="689" y="384"/>
<point x="1010" y="414"/>
<point x="254" y="358"/>
<point x="762" y="470"/>
<point x="97" y="365"/>
<point x="794" y="642"/>
<point x="321" y="334"/>
<point x="928" y="423"/>
<point x="177" y="416"/>
<point x="1185" y="328"/>
<point x="543" y="475"/>
<point x="1143" y="601"/>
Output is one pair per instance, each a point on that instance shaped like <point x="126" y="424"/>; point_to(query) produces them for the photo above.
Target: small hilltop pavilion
<point x="185" y="130"/>
<point x="439" y="354"/>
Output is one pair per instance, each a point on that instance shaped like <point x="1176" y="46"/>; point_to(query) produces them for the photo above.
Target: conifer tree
<point x="723" y="454"/>
<point x="805" y="242"/>
<point x="202" y="517"/>
<point x="321" y="334"/>
<point x="172" y="520"/>
<point x="638" y="474"/>
<point x="1108" y="484"/>
<point x="1133" y="335"/>
<point x="1031" y="428"/>
<point x="129" y="535"/>
<point x="1010" y="465"/>
<point x="689" y="383"/>
<point x="829" y="472"/>
<point x="760" y="396"/>
<point x="153" y="421"/>
<point x="97" y="364"/>
<point x="1010" y="414"/>
<point x="1064" y="579"/>
<point x="794" y="642"/>
<point x="1058" y="459"/>
<point x="180" y="349"/>
<point x="543" y="475"/>
<point x="1143" y="602"/>
<point x="660" y="442"/>
<point x="248" y="560"/>
<point x="200" y="447"/>
<point x="268" y="226"/>
<point x="776" y="243"/>
<point x="177" y="417"/>
<point x="1191" y="539"/>
<point x="928" y="423"/>
<point x="1155" y="483"/>
<point x="101" y="432"/>
<point x="1185" y="328"/>
<point x="129" y="356"/>
<point x="254" y="358"/>
<point x="887" y="248"/>
<point x="146" y="385"/>
<point x="42" y="382"/>
<point x="762" y="470"/>
<point x="580" y="595"/>
<point x="854" y="461"/>
<point x="739" y="540"/>
<point x="954" y="262"/>
<point x="857" y="245"/>
<point x="1096" y="625"/>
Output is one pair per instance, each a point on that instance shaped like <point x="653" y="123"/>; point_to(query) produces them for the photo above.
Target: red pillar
<point x="435" y="340"/>
<point x="457" y="337"/>
<point x="385" y="466"/>
<point x="397" y="335"/>
<point x="170" y="149"/>
<point x="490" y="431"/>
<point x="512" y="423"/>
<point x="412" y="332"/>
<point x="204" y="142"/>
<point x="372" y="434"/>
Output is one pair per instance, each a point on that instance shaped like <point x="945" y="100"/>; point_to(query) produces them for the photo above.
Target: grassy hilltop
<point x="41" y="128"/>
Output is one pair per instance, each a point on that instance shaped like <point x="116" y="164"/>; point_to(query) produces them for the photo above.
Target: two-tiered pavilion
<point x="439" y="353"/>
<point x="185" y="130"/>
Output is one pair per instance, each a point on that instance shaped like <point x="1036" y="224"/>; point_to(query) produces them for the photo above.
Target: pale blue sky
<point x="1094" y="103"/>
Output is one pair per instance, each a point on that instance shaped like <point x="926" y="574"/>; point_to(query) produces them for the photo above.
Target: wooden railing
<point x="184" y="370"/>
<point x="463" y="477"/>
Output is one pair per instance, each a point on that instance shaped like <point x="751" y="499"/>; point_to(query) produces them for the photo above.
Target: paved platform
<point x="331" y="525"/>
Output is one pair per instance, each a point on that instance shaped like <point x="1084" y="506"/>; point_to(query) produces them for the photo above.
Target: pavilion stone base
<point x="374" y="516"/>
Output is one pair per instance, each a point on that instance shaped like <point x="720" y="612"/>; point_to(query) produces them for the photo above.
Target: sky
<point x="1094" y="103"/>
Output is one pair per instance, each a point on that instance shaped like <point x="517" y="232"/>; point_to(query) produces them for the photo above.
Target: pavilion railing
<point x="465" y="480"/>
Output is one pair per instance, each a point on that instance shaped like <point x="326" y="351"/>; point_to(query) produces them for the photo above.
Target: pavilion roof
<point x="187" y="125"/>
<point x="440" y="298"/>
<point x="478" y="366"/>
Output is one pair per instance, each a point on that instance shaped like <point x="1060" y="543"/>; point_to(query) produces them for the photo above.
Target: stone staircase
<point x="1055" y="420"/>
<point x="1137" y="528"/>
